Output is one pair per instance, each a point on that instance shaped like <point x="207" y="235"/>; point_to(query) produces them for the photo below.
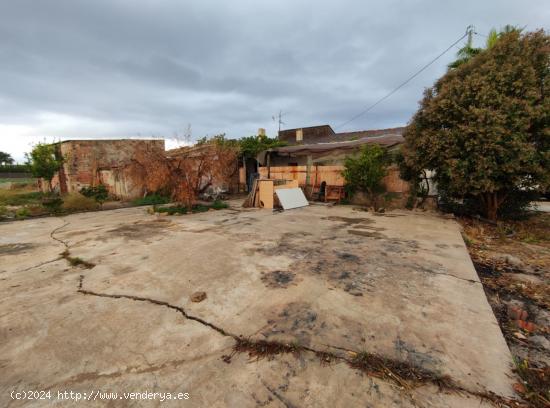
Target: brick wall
<point x="91" y="162"/>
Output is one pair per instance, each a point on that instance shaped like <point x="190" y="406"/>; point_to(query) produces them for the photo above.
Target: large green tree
<point x="484" y="126"/>
<point x="44" y="161"/>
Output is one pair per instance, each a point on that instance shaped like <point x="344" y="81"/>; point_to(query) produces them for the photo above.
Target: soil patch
<point x="349" y="220"/>
<point x="278" y="279"/>
<point x="14" y="249"/>
<point x="140" y="230"/>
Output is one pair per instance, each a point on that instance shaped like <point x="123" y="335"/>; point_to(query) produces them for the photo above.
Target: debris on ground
<point x="198" y="297"/>
<point x="512" y="260"/>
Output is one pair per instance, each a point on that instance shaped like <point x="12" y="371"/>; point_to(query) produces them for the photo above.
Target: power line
<point x="468" y="30"/>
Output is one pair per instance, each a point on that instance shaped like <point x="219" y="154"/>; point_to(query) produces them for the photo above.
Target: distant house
<point x="315" y="157"/>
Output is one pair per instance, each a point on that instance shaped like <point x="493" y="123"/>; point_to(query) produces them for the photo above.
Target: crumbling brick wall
<point x="93" y="162"/>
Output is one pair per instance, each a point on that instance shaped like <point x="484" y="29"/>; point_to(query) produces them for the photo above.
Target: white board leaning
<point x="291" y="198"/>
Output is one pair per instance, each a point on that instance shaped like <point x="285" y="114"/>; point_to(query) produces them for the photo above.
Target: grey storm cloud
<point x="121" y="68"/>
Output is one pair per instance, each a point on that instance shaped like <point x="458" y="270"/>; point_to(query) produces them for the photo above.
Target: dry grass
<point x="529" y="241"/>
<point x="78" y="202"/>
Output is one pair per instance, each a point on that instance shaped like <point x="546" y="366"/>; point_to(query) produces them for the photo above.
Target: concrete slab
<point x="329" y="278"/>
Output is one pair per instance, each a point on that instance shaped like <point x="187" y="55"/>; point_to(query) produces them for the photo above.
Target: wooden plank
<point x="265" y="196"/>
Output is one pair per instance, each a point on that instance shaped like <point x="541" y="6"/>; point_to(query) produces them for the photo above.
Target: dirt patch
<point x="368" y="227"/>
<point x="349" y="220"/>
<point x="292" y="244"/>
<point x="278" y="279"/>
<point x="14" y="249"/>
<point x="296" y="322"/>
<point x="512" y="260"/>
<point x="140" y="230"/>
<point x="369" y="234"/>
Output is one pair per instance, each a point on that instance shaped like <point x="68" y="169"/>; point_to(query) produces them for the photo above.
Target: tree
<point x="5" y="159"/>
<point x="484" y="126"/>
<point x="188" y="171"/>
<point x="366" y="171"/>
<point x="252" y="145"/>
<point x="44" y="161"/>
<point x="467" y="52"/>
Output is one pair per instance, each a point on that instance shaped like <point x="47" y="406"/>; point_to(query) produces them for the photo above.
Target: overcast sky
<point x="74" y="69"/>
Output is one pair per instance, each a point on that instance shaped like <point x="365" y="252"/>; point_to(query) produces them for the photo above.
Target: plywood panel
<point x="266" y="193"/>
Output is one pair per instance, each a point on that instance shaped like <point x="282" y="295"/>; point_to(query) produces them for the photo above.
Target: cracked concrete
<point x="127" y="324"/>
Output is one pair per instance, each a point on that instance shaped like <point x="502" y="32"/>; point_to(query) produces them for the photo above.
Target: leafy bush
<point x="197" y="208"/>
<point x="22" y="212"/>
<point x="516" y="206"/>
<point x="366" y="171"/>
<point x="177" y="209"/>
<point x="219" y="205"/>
<point x="78" y="202"/>
<point x="99" y="193"/>
<point x="153" y="199"/>
<point x="52" y="202"/>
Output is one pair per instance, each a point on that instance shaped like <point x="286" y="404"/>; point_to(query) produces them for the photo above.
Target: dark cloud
<point x="119" y="68"/>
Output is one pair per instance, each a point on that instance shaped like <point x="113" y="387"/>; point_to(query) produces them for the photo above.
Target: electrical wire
<point x="404" y="83"/>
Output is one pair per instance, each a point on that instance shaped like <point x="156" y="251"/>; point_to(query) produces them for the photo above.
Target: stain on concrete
<point x="407" y="352"/>
<point x="369" y="234"/>
<point x="296" y="321"/>
<point x="349" y="220"/>
<point x="279" y="279"/>
<point x="140" y="230"/>
<point x="14" y="249"/>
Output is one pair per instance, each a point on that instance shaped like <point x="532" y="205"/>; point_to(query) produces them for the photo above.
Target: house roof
<point x="325" y="134"/>
<point x="383" y="137"/>
<point x="387" y="140"/>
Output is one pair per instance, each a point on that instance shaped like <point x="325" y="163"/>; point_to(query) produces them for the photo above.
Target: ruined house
<point x="217" y="167"/>
<point x="315" y="158"/>
<point x="100" y="161"/>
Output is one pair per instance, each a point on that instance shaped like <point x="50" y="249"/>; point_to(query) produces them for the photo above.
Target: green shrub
<point x="99" y="193"/>
<point x="22" y="213"/>
<point x="176" y="209"/>
<point x="219" y="205"/>
<point x="197" y="208"/>
<point x="52" y="202"/>
<point x="516" y="206"/>
<point x="78" y="202"/>
<point x="153" y="199"/>
<point x="366" y="171"/>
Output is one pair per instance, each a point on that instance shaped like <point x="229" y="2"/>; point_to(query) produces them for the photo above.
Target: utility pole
<point x="470" y="31"/>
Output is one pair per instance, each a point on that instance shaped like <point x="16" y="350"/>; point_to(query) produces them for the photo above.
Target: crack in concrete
<point x="282" y="399"/>
<point x="40" y="264"/>
<point x="52" y="233"/>
<point x="151" y="368"/>
<point x="65" y="223"/>
<point x="178" y="309"/>
<point x="450" y="386"/>
<point x="451" y="276"/>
